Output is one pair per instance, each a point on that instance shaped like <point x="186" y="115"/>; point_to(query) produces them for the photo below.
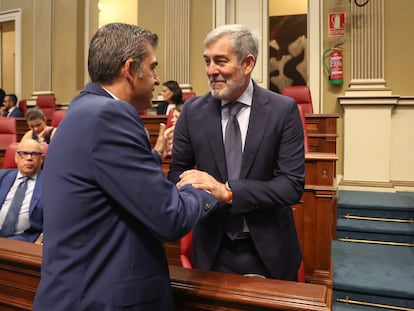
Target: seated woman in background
<point x="39" y="130"/>
<point x="173" y="115"/>
<point x="173" y="96"/>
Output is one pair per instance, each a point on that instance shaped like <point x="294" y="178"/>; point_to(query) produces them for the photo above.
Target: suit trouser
<point x="239" y="256"/>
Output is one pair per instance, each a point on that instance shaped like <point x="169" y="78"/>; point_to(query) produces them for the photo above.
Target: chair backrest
<point x="186" y="250"/>
<point x="23" y="106"/>
<point x="8" y="131"/>
<point x="47" y="103"/>
<point x="57" y="116"/>
<point x="187" y="95"/>
<point x="302" y="95"/>
<point x="9" y="161"/>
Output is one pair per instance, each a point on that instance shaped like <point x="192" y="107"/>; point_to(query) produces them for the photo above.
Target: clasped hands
<point x="204" y="181"/>
<point x="198" y="179"/>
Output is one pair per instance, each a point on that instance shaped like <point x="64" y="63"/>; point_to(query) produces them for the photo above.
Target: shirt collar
<point x="245" y="98"/>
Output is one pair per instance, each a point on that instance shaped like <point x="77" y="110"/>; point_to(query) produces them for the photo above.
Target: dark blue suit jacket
<point x="16" y="113"/>
<point x="7" y="178"/>
<point x="107" y="209"/>
<point x="271" y="177"/>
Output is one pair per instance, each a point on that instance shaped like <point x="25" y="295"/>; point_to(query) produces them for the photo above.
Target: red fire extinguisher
<point x="335" y="68"/>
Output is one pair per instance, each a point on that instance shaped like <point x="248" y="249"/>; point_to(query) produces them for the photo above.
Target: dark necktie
<point x="233" y="148"/>
<point x="9" y="224"/>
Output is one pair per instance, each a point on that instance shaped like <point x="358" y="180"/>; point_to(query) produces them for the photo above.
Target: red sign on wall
<point x="337" y="24"/>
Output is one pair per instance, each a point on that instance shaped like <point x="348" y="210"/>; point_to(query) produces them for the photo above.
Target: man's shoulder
<point x="7" y="172"/>
<point x="196" y="101"/>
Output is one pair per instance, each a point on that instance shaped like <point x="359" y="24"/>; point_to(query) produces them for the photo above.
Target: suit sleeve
<point x="128" y="172"/>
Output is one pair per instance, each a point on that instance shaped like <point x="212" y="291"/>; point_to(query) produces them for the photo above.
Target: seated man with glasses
<point x="21" y="210"/>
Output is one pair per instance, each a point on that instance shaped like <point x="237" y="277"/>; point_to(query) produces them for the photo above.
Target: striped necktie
<point x="9" y="224"/>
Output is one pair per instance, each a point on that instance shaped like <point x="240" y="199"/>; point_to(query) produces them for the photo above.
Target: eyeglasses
<point x="25" y="154"/>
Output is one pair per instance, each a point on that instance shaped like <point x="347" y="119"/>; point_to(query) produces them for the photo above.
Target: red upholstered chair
<point x="186" y="251"/>
<point x="8" y="131"/>
<point x="57" y="116"/>
<point x="23" y="106"/>
<point x="47" y="103"/>
<point x="187" y="95"/>
<point x="302" y="95"/>
<point x="9" y="161"/>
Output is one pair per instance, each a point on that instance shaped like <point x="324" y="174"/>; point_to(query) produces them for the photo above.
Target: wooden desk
<point x="152" y="124"/>
<point x="322" y="132"/>
<point x="193" y="289"/>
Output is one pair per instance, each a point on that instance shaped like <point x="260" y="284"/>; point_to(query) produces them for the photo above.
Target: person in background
<point x="22" y="219"/>
<point x="173" y="115"/>
<point x="10" y="108"/>
<point x="171" y="121"/>
<point x="108" y="206"/>
<point x="263" y="174"/>
<point x="39" y="130"/>
<point x="173" y="96"/>
<point x="2" y="95"/>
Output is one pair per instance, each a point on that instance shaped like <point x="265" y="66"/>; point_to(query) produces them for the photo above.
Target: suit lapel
<point x="212" y="125"/>
<point x="259" y="117"/>
<point x="36" y="193"/>
<point x="6" y="184"/>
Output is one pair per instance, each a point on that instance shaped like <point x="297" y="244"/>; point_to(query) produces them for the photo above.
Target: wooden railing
<point x="193" y="289"/>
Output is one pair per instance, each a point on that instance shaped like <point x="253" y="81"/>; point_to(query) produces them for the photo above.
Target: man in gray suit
<point x="254" y="233"/>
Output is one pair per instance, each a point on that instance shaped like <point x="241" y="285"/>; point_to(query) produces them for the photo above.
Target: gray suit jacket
<point x="271" y="177"/>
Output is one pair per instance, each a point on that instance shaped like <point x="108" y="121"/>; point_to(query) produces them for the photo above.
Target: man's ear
<point x="129" y="70"/>
<point x="249" y="63"/>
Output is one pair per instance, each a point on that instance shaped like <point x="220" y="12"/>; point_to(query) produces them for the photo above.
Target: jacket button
<point x="207" y="206"/>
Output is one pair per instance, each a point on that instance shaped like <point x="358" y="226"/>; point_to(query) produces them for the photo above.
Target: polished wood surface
<point x="322" y="132"/>
<point x="193" y="289"/>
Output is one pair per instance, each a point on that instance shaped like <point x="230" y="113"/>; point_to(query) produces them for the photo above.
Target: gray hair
<point x="244" y="40"/>
<point x="112" y="45"/>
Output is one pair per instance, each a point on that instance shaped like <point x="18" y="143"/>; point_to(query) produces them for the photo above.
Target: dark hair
<point x="2" y="95"/>
<point x="177" y="96"/>
<point x="112" y="45"/>
<point x="35" y="114"/>
<point x="13" y="98"/>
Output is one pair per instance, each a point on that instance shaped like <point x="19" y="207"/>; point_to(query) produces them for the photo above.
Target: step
<point x="376" y="204"/>
<point x="375" y="230"/>
<point x="374" y="273"/>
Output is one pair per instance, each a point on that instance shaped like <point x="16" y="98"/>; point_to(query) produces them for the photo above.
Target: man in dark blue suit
<point x="10" y="106"/>
<point x="29" y="159"/>
<point x="108" y="207"/>
<point x="255" y="233"/>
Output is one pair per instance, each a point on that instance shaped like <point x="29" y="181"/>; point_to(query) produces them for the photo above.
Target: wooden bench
<point x="193" y="289"/>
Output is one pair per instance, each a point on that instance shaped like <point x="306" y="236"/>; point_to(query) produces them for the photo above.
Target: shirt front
<point x="23" y="223"/>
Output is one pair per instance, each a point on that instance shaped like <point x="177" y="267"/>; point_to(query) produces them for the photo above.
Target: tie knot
<point x="234" y="108"/>
<point x="24" y="179"/>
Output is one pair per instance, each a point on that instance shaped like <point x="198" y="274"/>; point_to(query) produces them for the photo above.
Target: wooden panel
<point x="193" y="289"/>
<point x="322" y="143"/>
<point x="321" y="123"/>
<point x="152" y="124"/>
<point x="320" y="169"/>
